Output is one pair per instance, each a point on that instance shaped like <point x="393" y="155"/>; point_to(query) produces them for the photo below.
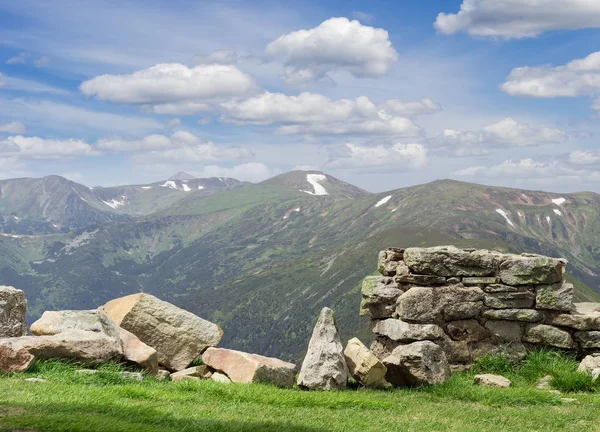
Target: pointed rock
<point x="324" y="367"/>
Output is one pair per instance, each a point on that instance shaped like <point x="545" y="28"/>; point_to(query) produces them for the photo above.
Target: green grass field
<point x="107" y="402"/>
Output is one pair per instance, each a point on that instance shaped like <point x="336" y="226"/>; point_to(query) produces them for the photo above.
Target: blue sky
<point x="381" y="94"/>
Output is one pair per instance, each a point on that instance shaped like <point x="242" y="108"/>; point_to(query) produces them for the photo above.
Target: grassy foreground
<point x="107" y="402"/>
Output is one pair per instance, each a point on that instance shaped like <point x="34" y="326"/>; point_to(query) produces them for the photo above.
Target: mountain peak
<point x="182" y="175"/>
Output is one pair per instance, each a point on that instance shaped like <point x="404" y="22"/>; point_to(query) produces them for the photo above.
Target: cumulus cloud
<point x="41" y="148"/>
<point x="584" y="157"/>
<point x="170" y="83"/>
<point x="311" y="113"/>
<point x="336" y="44"/>
<point x="412" y="108"/>
<point x="576" y="78"/>
<point x="21" y="58"/>
<point x="180" y="108"/>
<point x="14" y="127"/>
<point x="353" y="155"/>
<point x="506" y="132"/>
<point x="516" y="19"/>
<point x="222" y="56"/>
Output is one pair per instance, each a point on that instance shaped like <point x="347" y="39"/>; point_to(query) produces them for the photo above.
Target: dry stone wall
<point x="473" y="302"/>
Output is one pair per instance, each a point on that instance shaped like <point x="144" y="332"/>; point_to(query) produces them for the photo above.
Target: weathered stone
<point x="510" y="300"/>
<point x="13" y="312"/>
<point x="202" y="372"/>
<point x="449" y="303"/>
<point x="450" y="261"/>
<point x="456" y="351"/>
<point x="14" y="358"/>
<point x="512" y="350"/>
<point x="490" y="380"/>
<point x="243" y="367"/>
<point x="136" y="351"/>
<point x="590" y="363"/>
<point x="401" y="331"/>
<point x="453" y="281"/>
<point x="505" y="331"/>
<point x="417" y="364"/>
<point x="557" y="297"/>
<point x="588" y="339"/>
<point x="524" y="315"/>
<point x="177" y="336"/>
<point x="162" y="375"/>
<point x="476" y="281"/>
<point x="496" y="288"/>
<point x="544" y="382"/>
<point x="388" y="261"/>
<point x="575" y="321"/>
<point x="418" y="279"/>
<point x="364" y="367"/>
<point x="532" y="270"/>
<point x="379" y="297"/>
<point x="383" y="346"/>
<point x="543" y="334"/>
<point x="467" y="330"/>
<point x="324" y="366"/>
<point x="220" y="378"/>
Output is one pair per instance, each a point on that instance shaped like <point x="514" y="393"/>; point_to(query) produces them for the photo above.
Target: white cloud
<point x="42" y="62"/>
<point x="584" y="157"/>
<point x="412" y="108"/>
<point x="21" y="58"/>
<point x="576" y="78"/>
<point x="180" y="108"/>
<point x="311" y="113"/>
<point x="252" y="172"/>
<point x="12" y="167"/>
<point x="515" y="19"/>
<point x="411" y="155"/>
<point x="173" y="123"/>
<point x="506" y="132"/>
<point x="40" y="148"/>
<point x="10" y="83"/>
<point x="222" y="56"/>
<point x="336" y="44"/>
<point x="170" y="83"/>
<point x="14" y="127"/>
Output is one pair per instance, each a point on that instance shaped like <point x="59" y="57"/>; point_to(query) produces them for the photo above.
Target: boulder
<point x="417" y="364"/>
<point x="383" y="346"/>
<point x="450" y="261"/>
<point x="364" y="367"/>
<point x="490" y="380"/>
<point x="177" y="336"/>
<point x="220" y="378"/>
<point x="557" y="297"/>
<point x="590" y="364"/>
<point x="14" y="358"/>
<point x="13" y="312"/>
<point x="379" y="297"/>
<point x="467" y="330"/>
<point x="509" y="300"/>
<point x="136" y="351"/>
<point x="401" y="331"/>
<point x="446" y="303"/>
<point x="532" y="270"/>
<point x="542" y="334"/>
<point x="324" y="366"/>
<point x="242" y="367"/>
<point x="202" y="372"/>
<point x="523" y="315"/>
<point x="588" y="339"/>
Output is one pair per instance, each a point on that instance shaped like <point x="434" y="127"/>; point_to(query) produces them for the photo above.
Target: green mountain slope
<point x="262" y="259"/>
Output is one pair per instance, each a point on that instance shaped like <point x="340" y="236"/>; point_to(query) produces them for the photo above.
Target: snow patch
<point x="114" y="203"/>
<point x="505" y="216"/>
<point x="16" y="218"/>
<point x="383" y="201"/>
<point x="557" y="212"/>
<point x="314" y="180"/>
<point x="169" y="184"/>
<point x="186" y="188"/>
<point x="548" y="219"/>
<point x="77" y="193"/>
<point x="200" y="187"/>
<point x="558" y="201"/>
<point x="521" y="215"/>
<point x="393" y="210"/>
<point x="288" y="213"/>
<point x="146" y="187"/>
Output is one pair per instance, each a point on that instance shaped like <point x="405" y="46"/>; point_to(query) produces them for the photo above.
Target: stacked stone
<point x="473" y="302"/>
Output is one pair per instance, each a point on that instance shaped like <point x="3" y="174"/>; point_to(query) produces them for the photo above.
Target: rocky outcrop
<point x="364" y="367"/>
<point x="177" y="336"/>
<point x="13" y="312"/>
<point x="243" y="367"/>
<point x="417" y="364"/>
<point x="324" y="367"/>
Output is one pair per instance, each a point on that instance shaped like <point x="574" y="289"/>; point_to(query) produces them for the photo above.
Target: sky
<point x="377" y="93"/>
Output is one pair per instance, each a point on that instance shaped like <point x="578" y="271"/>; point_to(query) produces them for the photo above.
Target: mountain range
<point x="262" y="259"/>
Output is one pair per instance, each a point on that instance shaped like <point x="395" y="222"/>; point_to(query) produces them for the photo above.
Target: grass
<point x="107" y="402"/>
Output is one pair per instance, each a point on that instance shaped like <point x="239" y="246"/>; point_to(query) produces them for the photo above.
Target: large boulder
<point x="532" y="270"/>
<point x="450" y="261"/>
<point x="401" y="331"/>
<point x="13" y="312"/>
<point x="324" y="367"/>
<point x="178" y="336"/>
<point x="243" y="367"/>
<point x="417" y="364"/>
<point x="363" y="365"/>
<point x="14" y="358"/>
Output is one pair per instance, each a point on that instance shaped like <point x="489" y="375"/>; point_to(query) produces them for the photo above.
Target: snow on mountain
<point x="314" y="180"/>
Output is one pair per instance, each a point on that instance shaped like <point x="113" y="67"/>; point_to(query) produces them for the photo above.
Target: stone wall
<point x="472" y="302"/>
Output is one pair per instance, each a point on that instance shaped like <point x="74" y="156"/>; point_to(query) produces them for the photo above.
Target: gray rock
<point x="388" y="261"/>
<point x="14" y="359"/>
<point x="401" y="331"/>
<point x="418" y="279"/>
<point x="524" y="315"/>
<point x="383" y="346"/>
<point x="505" y="331"/>
<point x="450" y="261"/>
<point x="13" y="312"/>
<point x="532" y="270"/>
<point x="178" y="336"/>
<point x="379" y="297"/>
<point x="363" y="365"/>
<point x="544" y="383"/>
<point x="456" y="351"/>
<point x="557" y="297"/>
<point x="496" y="288"/>
<point x="449" y="303"/>
<point x="324" y="367"/>
<point x="510" y="300"/>
<point x="220" y="378"/>
<point x="590" y="364"/>
<point x="201" y="372"/>
<point x="490" y="380"/>
<point x="136" y="376"/>
<point x="588" y="339"/>
<point x="162" y="375"/>
<point x="477" y="281"/>
<point x="417" y="364"/>
<point x="467" y="330"/>
<point x="575" y="320"/>
<point x="542" y="334"/>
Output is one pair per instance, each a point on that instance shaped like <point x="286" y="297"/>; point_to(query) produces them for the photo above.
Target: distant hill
<point x="262" y="259"/>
